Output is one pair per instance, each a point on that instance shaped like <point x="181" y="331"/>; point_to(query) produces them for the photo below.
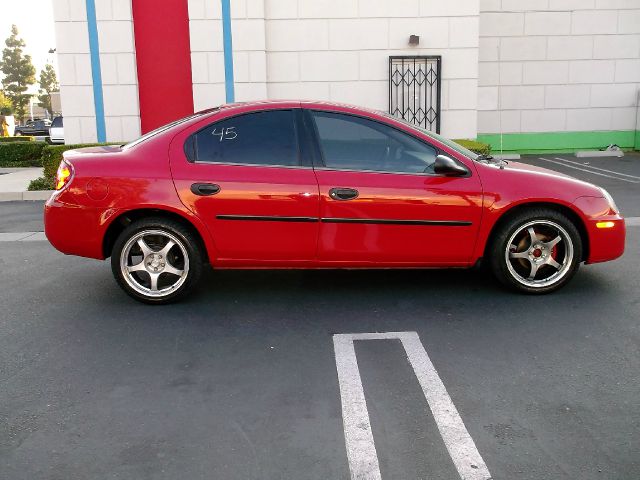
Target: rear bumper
<point x="74" y="229"/>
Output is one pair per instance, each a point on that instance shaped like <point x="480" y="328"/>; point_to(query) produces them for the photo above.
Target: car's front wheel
<point x="536" y="251"/>
<point x="156" y="260"/>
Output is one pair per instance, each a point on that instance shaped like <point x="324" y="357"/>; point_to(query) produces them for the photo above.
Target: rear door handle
<point x="205" y="189"/>
<point x="342" y="193"/>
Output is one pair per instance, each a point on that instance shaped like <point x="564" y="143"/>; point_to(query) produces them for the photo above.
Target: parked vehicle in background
<point x="319" y="185"/>
<point x="34" y="128"/>
<point x="56" y="132"/>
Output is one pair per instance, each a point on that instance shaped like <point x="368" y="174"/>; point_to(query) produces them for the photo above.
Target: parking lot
<point x="241" y="380"/>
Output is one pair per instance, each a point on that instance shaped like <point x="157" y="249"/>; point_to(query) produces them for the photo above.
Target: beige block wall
<point x="558" y="65"/>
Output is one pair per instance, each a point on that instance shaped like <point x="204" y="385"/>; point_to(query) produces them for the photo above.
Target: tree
<point x="18" y="72"/>
<point x="6" y="108"/>
<point x="48" y="84"/>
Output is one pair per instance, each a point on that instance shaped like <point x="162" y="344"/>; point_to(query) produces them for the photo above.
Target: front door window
<point x="355" y="143"/>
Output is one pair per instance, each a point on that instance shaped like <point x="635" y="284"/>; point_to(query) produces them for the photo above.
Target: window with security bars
<point x="414" y="90"/>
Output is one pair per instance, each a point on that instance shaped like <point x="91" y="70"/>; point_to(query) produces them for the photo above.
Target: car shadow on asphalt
<point x="364" y="285"/>
<point x="333" y="301"/>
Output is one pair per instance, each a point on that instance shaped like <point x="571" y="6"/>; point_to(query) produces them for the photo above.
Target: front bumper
<point x="604" y="243"/>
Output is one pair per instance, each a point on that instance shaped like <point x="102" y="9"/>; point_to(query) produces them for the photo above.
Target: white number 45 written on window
<point x="228" y="133"/>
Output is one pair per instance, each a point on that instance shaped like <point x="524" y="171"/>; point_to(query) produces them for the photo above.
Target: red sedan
<point x="319" y="185"/>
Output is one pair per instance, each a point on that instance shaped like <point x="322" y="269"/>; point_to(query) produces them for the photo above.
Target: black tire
<point x="515" y="273"/>
<point x="185" y="241"/>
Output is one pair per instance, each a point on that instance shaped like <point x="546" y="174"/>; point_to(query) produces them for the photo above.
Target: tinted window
<point x="436" y="136"/>
<point x="355" y="143"/>
<point x="262" y="138"/>
<point x="57" y="122"/>
<point x="166" y="127"/>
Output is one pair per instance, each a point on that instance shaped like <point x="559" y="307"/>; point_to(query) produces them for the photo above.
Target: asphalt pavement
<point x="21" y="216"/>
<point x="240" y="380"/>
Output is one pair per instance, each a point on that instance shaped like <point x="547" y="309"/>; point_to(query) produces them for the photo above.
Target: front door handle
<point x="342" y="193"/>
<point x="205" y="189"/>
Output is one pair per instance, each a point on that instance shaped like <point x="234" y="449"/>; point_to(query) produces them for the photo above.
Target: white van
<point x="56" y="131"/>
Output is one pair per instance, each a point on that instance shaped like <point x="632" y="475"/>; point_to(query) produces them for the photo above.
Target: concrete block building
<point x="521" y="74"/>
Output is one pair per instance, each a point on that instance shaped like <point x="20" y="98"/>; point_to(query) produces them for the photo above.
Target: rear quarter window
<point x="259" y="138"/>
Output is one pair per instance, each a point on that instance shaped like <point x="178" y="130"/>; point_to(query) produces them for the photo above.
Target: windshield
<point x="449" y="143"/>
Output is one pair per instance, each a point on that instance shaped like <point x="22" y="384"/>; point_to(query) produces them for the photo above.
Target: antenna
<point x="499" y="98"/>
<point x="635" y="138"/>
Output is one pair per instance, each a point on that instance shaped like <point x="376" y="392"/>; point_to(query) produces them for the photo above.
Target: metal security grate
<point x="414" y="90"/>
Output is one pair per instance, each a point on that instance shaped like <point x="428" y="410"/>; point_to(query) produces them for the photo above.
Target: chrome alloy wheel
<point x="155" y="263"/>
<point x="539" y="253"/>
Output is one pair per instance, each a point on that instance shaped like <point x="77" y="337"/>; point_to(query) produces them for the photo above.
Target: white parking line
<point x="598" y="168"/>
<point x="361" y="450"/>
<point x="22" y="237"/>
<point x="589" y="171"/>
<point x="36" y="237"/>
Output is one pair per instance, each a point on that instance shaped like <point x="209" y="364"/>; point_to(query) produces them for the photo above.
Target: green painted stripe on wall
<point x="561" y="141"/>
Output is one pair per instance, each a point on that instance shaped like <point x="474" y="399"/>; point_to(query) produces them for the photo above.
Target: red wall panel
<point x="163" y="55"/>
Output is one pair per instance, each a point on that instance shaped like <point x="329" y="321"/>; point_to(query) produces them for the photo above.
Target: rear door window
<point x="260" y="138"/>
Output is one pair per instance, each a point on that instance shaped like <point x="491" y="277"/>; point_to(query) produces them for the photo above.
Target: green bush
<point x="475" y="146"/>
<point x="17" y="139"/>
<point x="52" y="156"/>
<point x="40" y="183"/>
<point x="21" y="154"/>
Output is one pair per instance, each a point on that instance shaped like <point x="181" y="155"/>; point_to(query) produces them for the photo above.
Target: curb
<point x="18" y="196"/>
<point x="599" y="153"/>
<point x="507" y="156"/>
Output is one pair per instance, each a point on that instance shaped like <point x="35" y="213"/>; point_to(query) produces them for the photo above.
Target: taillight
<point x="63" y="175"/>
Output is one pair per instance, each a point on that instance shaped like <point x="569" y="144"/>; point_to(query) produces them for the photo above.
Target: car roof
<point x="252" y="106"/>
<point x="257" y="105"/>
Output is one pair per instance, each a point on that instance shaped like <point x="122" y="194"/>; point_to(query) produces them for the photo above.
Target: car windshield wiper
<point x="486" y="158"/>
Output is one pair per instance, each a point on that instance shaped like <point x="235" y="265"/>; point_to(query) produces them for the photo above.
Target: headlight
<point x="610" y="199"/>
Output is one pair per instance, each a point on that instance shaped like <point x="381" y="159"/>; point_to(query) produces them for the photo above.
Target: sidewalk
<point x="14" y="183"/>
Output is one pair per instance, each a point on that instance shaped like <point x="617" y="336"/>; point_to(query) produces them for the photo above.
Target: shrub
<point x="17" y="139"/>
<point x="52" y="156"/>
<point x="475" y="146"/>
<point x="21" y="154"/>
<point x="40" y="183"/>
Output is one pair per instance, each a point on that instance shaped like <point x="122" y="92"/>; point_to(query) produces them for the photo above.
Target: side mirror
<point x="448" y="167"/>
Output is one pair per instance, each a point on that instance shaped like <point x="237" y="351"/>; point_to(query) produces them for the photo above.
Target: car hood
<point x="541" y="181"/>
<point x="534" y="168"/>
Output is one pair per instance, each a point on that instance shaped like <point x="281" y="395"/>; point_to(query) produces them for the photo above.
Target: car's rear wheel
<point x="536" y="251"/>
<point x="156" y="260"/>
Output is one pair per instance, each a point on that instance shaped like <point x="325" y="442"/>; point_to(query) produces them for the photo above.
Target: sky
<point x="34" y="19"/>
